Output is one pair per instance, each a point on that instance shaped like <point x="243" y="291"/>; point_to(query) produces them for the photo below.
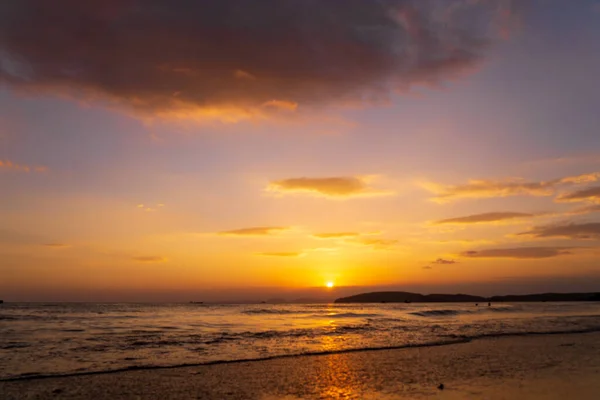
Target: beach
<point x="547" y="366"/>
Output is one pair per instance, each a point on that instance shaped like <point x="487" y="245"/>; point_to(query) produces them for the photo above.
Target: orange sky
<point x="381" y="158"/>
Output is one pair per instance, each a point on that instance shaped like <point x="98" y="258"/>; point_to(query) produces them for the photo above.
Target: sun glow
<point x="329" y="284"/>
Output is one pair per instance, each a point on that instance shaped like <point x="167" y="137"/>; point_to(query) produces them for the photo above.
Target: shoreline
<point x="451" y="342"/>
<point x="525" y="366"/>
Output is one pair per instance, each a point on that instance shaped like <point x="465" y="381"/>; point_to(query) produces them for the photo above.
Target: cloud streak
<point x="488" y="188"/>
<point x="519" y="252"/>
<point x="379" y="244"/>
<point x="441" y="261"/>
<point x="331" y="187"/>
<point x="233" y="59"/>
<point x="149" y="259"/>
<point x="281" y="254"/>
<point x="568" y="231"/>
<point x="593" y="208"/>
<point x="335" y="235"/>
<point x="489" y="217"/>
<point x="9" y="165"/>
<point x="588" y="194"/>
<point x="150" y="208"/>
<point x="254" y="231"/>
<point x="57" y="245"/>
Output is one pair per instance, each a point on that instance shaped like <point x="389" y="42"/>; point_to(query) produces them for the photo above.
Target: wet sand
<point x="522" y="367"/>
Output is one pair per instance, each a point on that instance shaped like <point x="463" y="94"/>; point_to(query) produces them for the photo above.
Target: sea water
<point x="40" y="339"/>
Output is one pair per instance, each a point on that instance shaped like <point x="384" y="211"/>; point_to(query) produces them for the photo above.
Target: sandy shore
<point x="531" y="367"/>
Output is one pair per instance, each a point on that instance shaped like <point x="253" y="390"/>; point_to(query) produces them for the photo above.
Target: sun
<point x="329" y="284"/>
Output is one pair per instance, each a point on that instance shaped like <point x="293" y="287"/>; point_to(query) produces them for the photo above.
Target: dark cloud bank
<point x="166" y="56"/>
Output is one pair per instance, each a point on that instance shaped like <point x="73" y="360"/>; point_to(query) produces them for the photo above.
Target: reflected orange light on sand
<point x="331" y="343"/>
<point x="341" y="382"/>
<point x="336" y="380"/>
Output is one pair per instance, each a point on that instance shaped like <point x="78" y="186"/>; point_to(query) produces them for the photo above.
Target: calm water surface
<point x="48" y="339"/>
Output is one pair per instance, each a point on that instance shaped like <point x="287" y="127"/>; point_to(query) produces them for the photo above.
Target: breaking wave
<point x="439" y="313"/>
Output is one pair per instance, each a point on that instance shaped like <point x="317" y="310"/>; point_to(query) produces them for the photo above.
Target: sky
<point x="232" y="150"/>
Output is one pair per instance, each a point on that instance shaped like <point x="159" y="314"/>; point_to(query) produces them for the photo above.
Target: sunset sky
<point x="231" y="150"/>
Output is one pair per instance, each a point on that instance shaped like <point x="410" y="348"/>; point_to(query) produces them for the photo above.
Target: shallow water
<point x="48" y="339"/>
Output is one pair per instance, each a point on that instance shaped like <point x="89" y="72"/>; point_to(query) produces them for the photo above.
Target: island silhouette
<point x="407" y="297"/>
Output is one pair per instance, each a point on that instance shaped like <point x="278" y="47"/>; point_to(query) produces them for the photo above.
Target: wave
<point x="451" y="339"/>
<point x="349" y="329"/>
<point x="450" y="312"/>
<point x="153" y="341"/>
<point x="345" y="315"/>
<point x="384" y="320"/>
<point x="23" y="317"/>
<point x="502" y="309"/>
<point x="524" y="333"/>
<point x="271" y="311"/>
<point x="158" y="343"/>
<point x="14" y="345"/>
<point x="439" y="313"/>
<point x="294" y="333"/>
<point x="323" y="314"/>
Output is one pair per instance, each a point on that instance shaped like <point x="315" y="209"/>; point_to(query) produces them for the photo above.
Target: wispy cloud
<point x="149" y="259"/>
<point x="57" y="245"/>
<point x="243" y="75"/>
<point x="442" y="261"/>
<point x="254" y="231"/>
<point x="588" y="194"/>
<point x="324" y="249"/>
<point x="489" y="217"/>
<point x="464" y="242"/>
<point x="150" y="207"/>
<point x="358" y="238"/>
<point x="566" y="160"/>
<point x="579" y="179"/>
<point x="568" y="231"/>
<point x="184" y="59"/>
<point x="487" y="188"/>
<point x="281" y="105"/>
<point x="379" y="244"/>
<point x="519" y="252"/>
<point x="335" y="235"/>
<point x="281" y="254"/>
<point x="592" y="208"/>
<point x="9" y="165"/>
<point x="331" y="187"/>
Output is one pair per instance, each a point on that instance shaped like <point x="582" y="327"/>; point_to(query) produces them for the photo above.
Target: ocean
<point x="46" y="339"/>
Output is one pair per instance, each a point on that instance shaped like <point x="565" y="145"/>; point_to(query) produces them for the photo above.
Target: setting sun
<point x="329" y="284"/>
